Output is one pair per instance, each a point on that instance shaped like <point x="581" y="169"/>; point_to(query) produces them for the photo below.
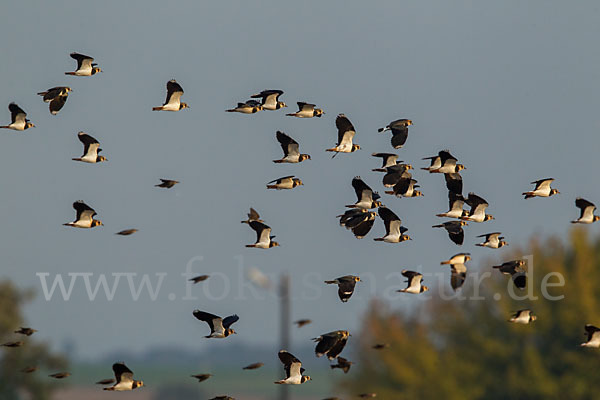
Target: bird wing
<point x="16" y="113"/>
<point x="228" y="321"/>
<point x="591" y="330"/>
<point x="83" y="211"/>
<point x="455" y="233"/>
<point x="399" y="134"/>
<point x="478" y="204"/>
<point x="57" y="103"/>
<point x="83" y="62"/>
<point x="456" y="201"/>
<point x="253" y="215"/>
<point x="288" y="145"/>
<point x="90" y="145"/>
<point x="454" y="182"/>
<point x="290" y="363"/>
<point x="325" y="344"/>
<point x="210" y="319"/>
<point x="305" y="106"/>
<point x="122" y="373"/>
<point x="587" y="208"/>
<point x="459" y="274"/>
<point x="270" y="96"/>
<point x="391" y="220"/>
<point x="174" y="92"/>
<point x="542" y="184"/>
<point x="362" y="190"/>
<point x="279" y="180"/>
<point x="362" y="229"/>
<point x="445" y="157"/>
<point x="337" y="348"/>
<point x="263" y="231"/>
<point x="345" y="130"/>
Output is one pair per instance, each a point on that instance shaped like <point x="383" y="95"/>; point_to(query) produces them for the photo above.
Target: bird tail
<point x="378" y="239"/>
<point x="440" y="215"/>
<point x="4" y="126"/>
<point x="291" y="115"/>
<point x="497" y="266"/>
<point x="156" y="108"/>
<point x="350" y="206"/>
<point x="277" y="161"/>
<point x="425" y="169"/>
<point x="278" y="383"/>
<point x="437" y="226"/>
<point x="42" y="93"/>
<point x="332" y="149"/>
<point x="245" y="222"/>
<point x="383" y="129"/>
<point x="528" y="195"/>
<point x="330" y="282"/>
<point x="109" y="388"/>
<point x="69" y="73"/>
<point x="479" y="244"/>
<point x="271" y="186"/>
<point x="445" y="262"/>
<point x="378" y="170"/>
<point x="250" y="245"/>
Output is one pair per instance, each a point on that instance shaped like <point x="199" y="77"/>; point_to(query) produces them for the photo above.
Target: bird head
<point x="417" y="193"/>
<point x="231" y="332"/>
<point x="521" y="263"/>
<point x="97" y="222"/>
<point x="533" y="317"/>
<point x="304" y="157"/>
<point x="489" y="217"/>
<point x="356" y="279"/>
<point x="100" y="159"/>
<point x="460" y="167"/>
<point x="467" y="258"/>
<point x="409" y="166"/>
<point x="29" y="125"/>
<point x="404" y="238"/>
<point x="409" y="122"/>
<point x="298" y="182"/>
<point x="274" y="244"/>
<point x="305" y="378"/>
<point x="424" y="288"/>
<point x="137" y="384"/>
<point x="259" y="107"/>
<point x="95" y="70"/>
<point x="183" y="105"/>
<point x="68" y="89"/>
<point x="596" y="218"/>
<point x="502" y="243"/>
<point x="463" y="223"/>
<point x="554" y="191"/>
<point x="318" y="112"/>
<point x="355" y="147"/>
<point x="377" y="204"/>
<point x="282" y="104"/>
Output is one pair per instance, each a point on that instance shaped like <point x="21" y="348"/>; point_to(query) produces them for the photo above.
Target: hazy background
<point x="511" y="88"/>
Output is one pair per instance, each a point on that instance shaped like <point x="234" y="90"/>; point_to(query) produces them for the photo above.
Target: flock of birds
<point x="359" y="218"/>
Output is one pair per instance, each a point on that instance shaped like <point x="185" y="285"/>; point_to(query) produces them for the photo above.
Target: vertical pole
<point x="284" y="319"/>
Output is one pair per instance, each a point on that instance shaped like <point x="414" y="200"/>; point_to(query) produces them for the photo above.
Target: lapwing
<point x="444" y="163"/>
<point x="57" y="97"/>
<point x="26" y="331"/>
<point x="219" y="327"/>
<point x="249" y="107"/>
<point x="587" y="209"/>
<point x="85" y="216"/>
<point x="286" y="182"/>
<point x="405" y="187"/>
<point x="388" y="160"/>
<point x="454" y="182"/>
<point x="252" y="216"/>
<point x="492" y="240"/>
<point x="395" y="173"/>
<point x="126" y="232"/>
<point x="301" y="322"/>
<point x="307" y="110"/>
<point x="366" y="197"/>
<point x="18" y="119"/>
<point x="222" y="398"/>
<point x="524" y="317"/>
<point x="264" y="240"/>
<point x="291" y="150"/>
<point x="458" y="269"/>
<point x="358" y="220"/>
<point x="13" y="344"/>
<point x="253" y="366"/>
<point x="107" y="381"/>
<point x="342" y="364"/>
<point x="455" y="230"/>
<point x="456" y="203"/>
<point x="293" y="370"/>
<point x="166" y="183"/>
<point x="346" y="286"/>
<point x="331" y="344"/>
<point x="61" y="375"/>
<point x="478" y="207"/>
<point x="399" y="130"/>
<point x="173" y="101"/>
<point x="346" y="134"/>
<point x="199" y="278"/>
<point x="91" y="148"/>
<point x="394" y="231"/>
<point x="29" y="370"/>
<point x="516" y="271"/>
<point x="270" y="99"/>
<point x="380" y="346"/>
<point x="593" y="336"/>
<point x="85" y="65"/>
<point x="201" y="377"/>
<point x="542" y="189"/>
<point x="124" y="379"/>
<point x="413" y="280"/>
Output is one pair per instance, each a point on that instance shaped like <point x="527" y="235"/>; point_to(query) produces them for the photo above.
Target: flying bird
<point x="29" y="370"/>
<point x="57" y="97"/>
<point x="346" y="134"/>
<point x="331" y="344"/>
<point x="394" y="231"/>
<point x="395" y="173"/>
<point x="342" y="364"/>
<point x="173" y="101"/>
<point x="219" y="327"/>
<point x="405" y="187"/>
<point x="249" y="107"/>
<point x="454" y="182"/>
<point x="286" y="182"/>
<point x="201" y="377"/>
<point x="108" y="381"/>
<point x="414" y="282"/>
<point x="12" y="344"/>
<point x="399" y="130"/>
<point x="587" y="209"/>
<point x="293" y="370"/>
<point x="85" y="216"/>
<point x="358" y="220"/>
<point x="26" y="331"/>
<point x="307" y="110"/>
<point x="593" y="336"/>
<point x="254" y="366"/>
<point x="127" y="232"/>
<point x="388" y="160"/>
<point x="91" y="148"/>
<point x="478" y="207"/>
<point x="367" y="198"/>
<point x="516" y="271"/>
<point x="458" y="269"/>
<point x="124" y="379"/>
<point x="198" y="279"/>
<point x="270" y="99"/>
<point x="291" y="150"/>
<point x="263" y="236"/>
<point x="455" y="230"/>
<point x="524" y="316"/>
<point x="492" y="240"/>
<point x="380" y="346"/>
<point x="166" y="183"/>
<point x="252" y="216"/>
<point x="18" y="119"/>
<point x="542" y="189"/>
<point x="60" y="375"/>
<point x="85" y="65"/>
<point x="443" y="163"/>
<point x="346" y="286"/>
<point x="301" y="322"/>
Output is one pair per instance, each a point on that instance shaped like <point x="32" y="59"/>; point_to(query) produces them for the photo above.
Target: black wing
<point x="87" y="141"/>
<point x="285" y="141"/>
<point x="80" y="59"/>
<point x="57" y="104"/>
<point x="206" y="317"/>
<point x="81" y="207"/>
<point x="325" y="345"/>
<point x="360" y="186"/>
<point x="446" y="156"/>
<point x="454" y="182"/>
<point x="343" y="125"/>
<point x="228" y="321"/>
<point x="337" y="349"/>
<point x="388" y="216"/>
<point x="456" y="233"/>
<point x="345" y="289"/>
<point x="121" y="369"/>
<point x="362" y="229"/>
<point x="399" y="133"/>
<point x="583" y="203"/>
<point x="15" y="110"/>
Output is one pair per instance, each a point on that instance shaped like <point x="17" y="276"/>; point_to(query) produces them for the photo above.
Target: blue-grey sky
<point x="511" y="88"/>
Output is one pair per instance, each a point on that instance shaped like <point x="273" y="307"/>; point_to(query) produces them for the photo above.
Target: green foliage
<point x="465" y="349"/>
<point x="14" y="382"/>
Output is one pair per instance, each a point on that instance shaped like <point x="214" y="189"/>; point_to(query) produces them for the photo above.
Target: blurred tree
<point x="464" y="348"/>
<point x="13" y="382"/>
